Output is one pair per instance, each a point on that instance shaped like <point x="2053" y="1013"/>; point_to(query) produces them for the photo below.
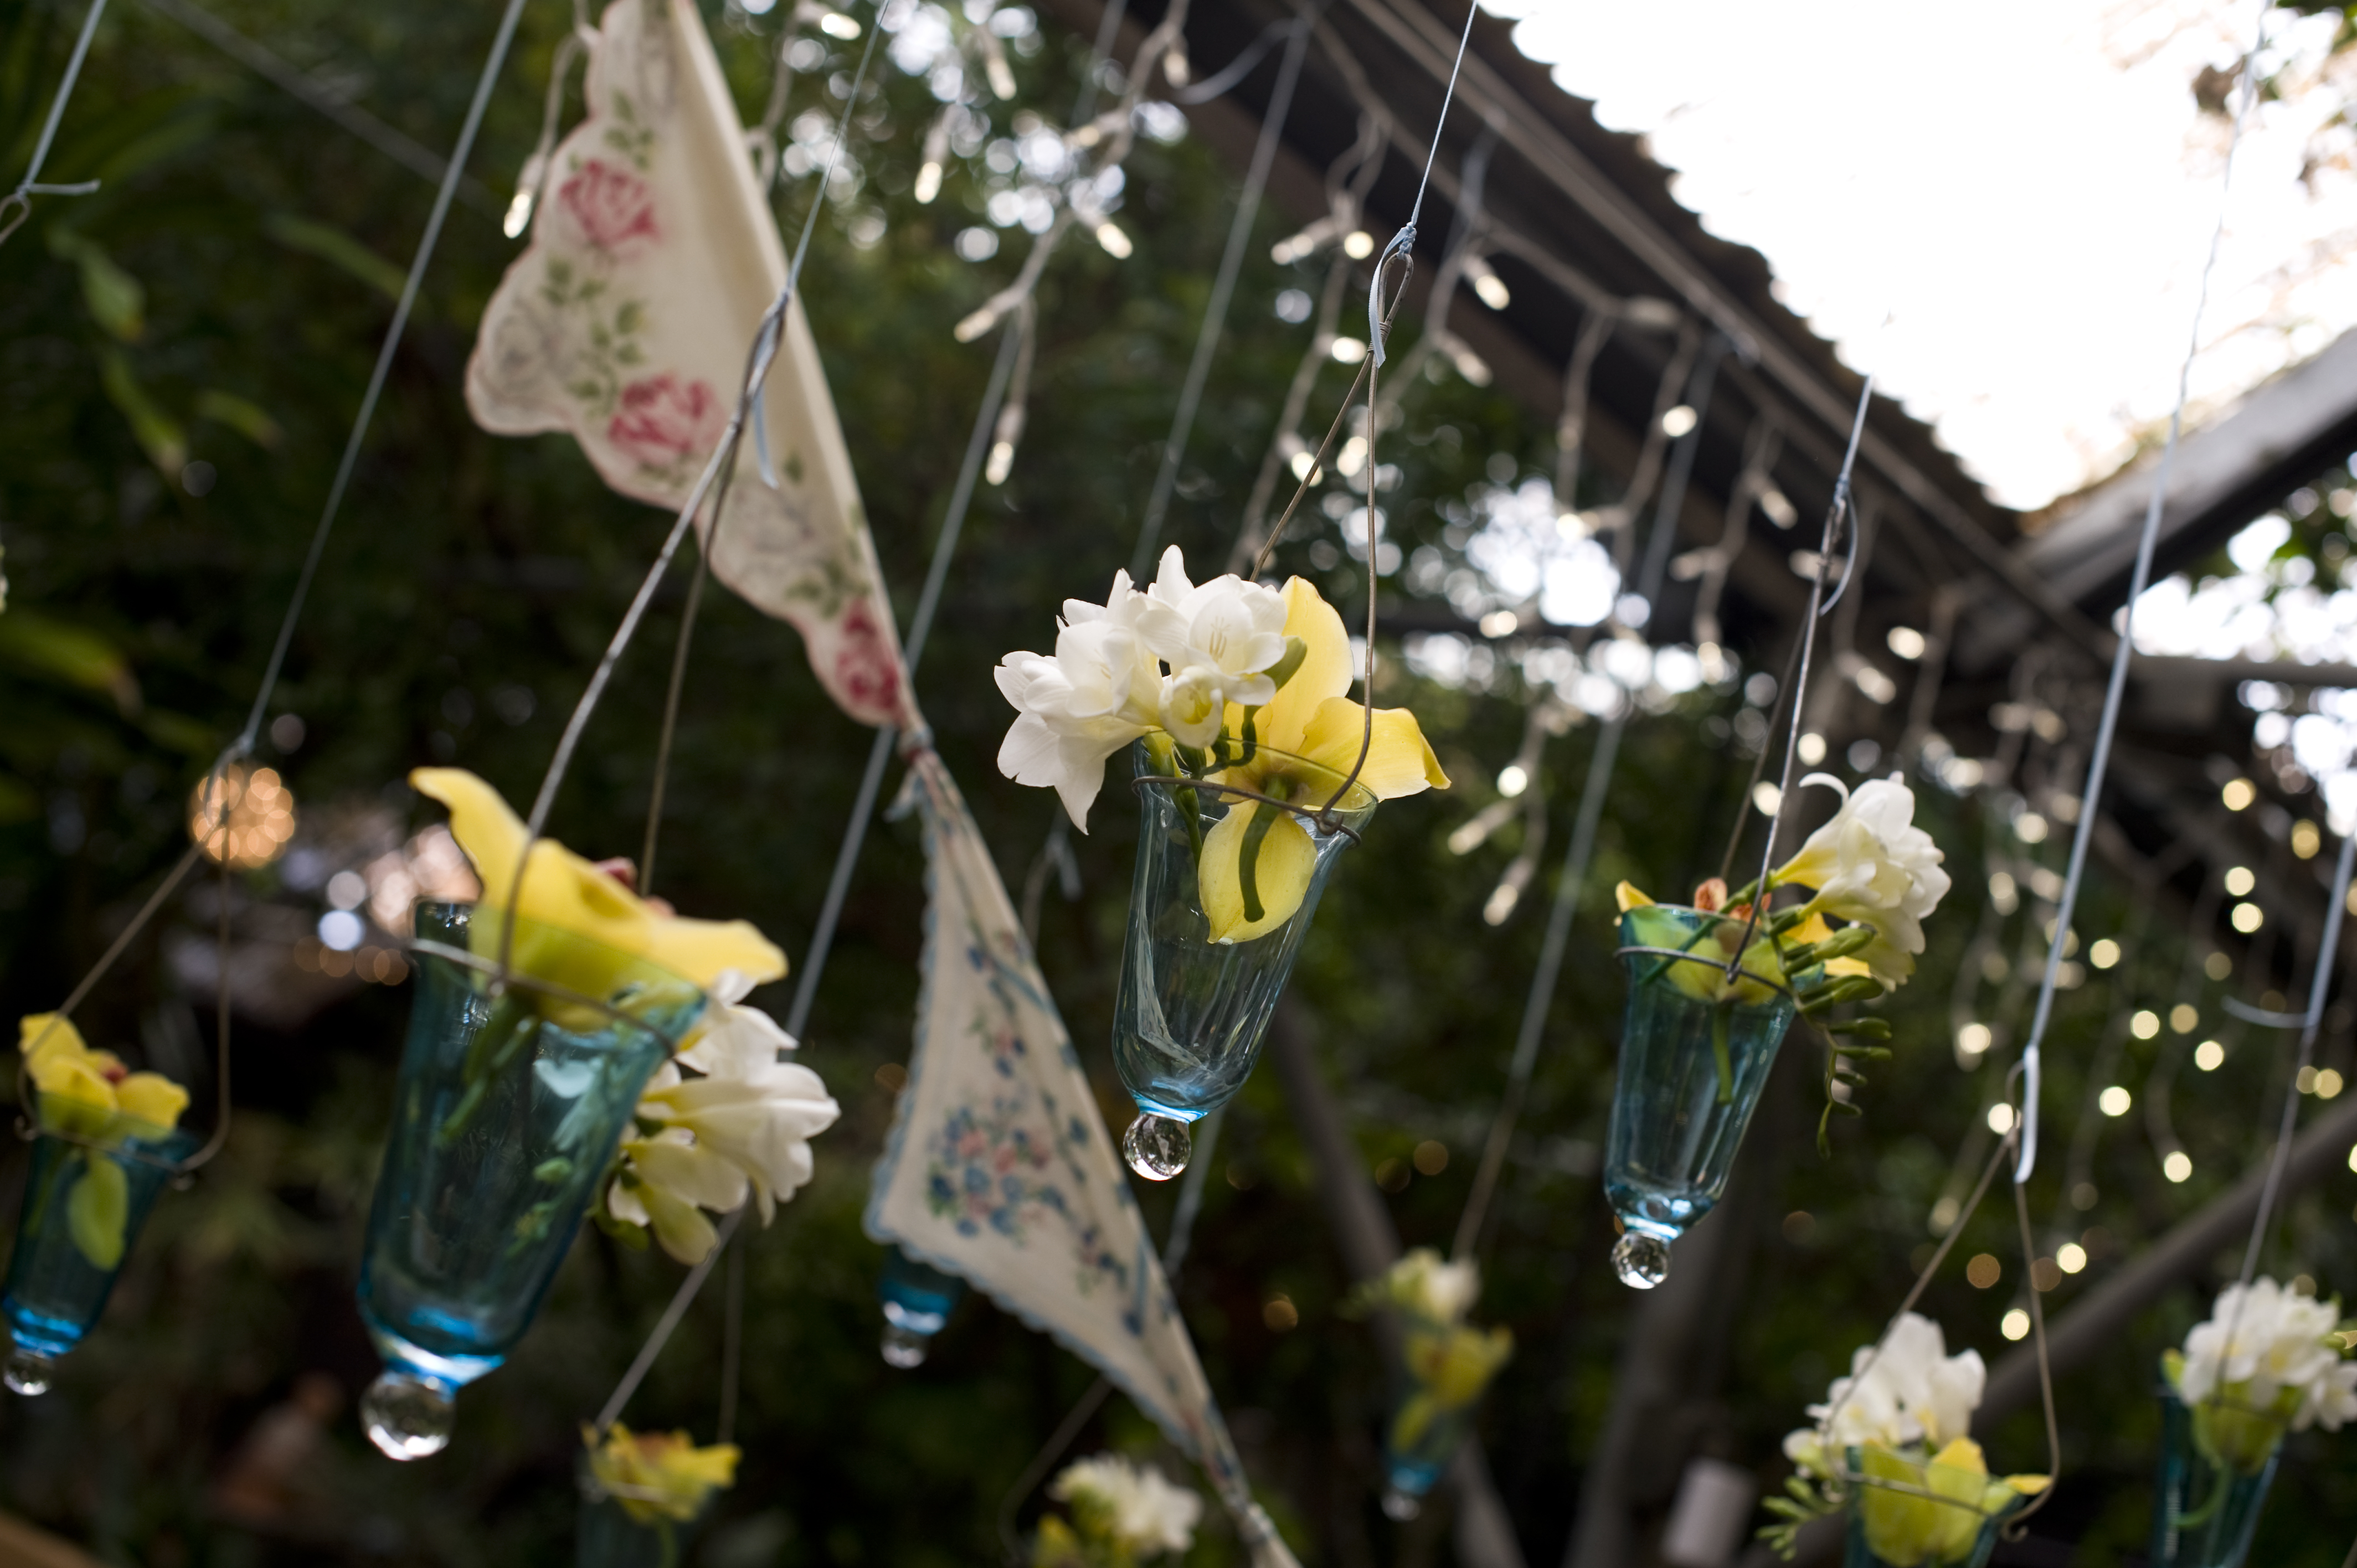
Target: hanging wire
<point x="315" y="95"/>
<point x="2028" y="1066"/>
<point x="242" y="746"/>
<point x="21" y="199"/>
<point x="846" y="857"/>
<point x="1223" y="288"/>
<point x="1572" y="880"/>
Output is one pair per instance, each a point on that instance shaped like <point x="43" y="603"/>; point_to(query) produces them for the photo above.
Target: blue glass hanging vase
<point x="509" y="1107"/>
<point x="1896" y="1522"/>
<point x="1225" y="888"/>
<point x="2217" y="1461"/>
<point x="1695" y="1048"/>
<point x="1445" y="1367"/>
<point x="84" y="1204"/>
<point x="917" y="1299"/>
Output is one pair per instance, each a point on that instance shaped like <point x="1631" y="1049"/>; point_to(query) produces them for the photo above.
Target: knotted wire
<point x="21" y="199"/>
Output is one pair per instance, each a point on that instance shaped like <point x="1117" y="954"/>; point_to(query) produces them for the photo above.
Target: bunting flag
<point x="625" y="323"/>
<point x="999" y="1168"/>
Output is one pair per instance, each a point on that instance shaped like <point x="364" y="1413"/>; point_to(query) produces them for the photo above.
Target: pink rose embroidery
<point x="660" y="419"/>
<point x="865" y="669"/>
<point x="611" y="206"/>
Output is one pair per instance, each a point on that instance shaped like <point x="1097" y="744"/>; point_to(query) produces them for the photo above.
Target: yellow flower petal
<point x="659" y="1475"/>
<point x="562" y="890"/>
<point x="1628" y="896"/>
<point x="1326" y="671"/>
<point x="42" y="1034"/>
<point x="152" y="1098"/>
<point x="1282" y="869"/>
<point x="1400" y="761"/>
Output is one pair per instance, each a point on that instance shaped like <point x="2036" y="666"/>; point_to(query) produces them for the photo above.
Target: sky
<point x="2003" y="209"/>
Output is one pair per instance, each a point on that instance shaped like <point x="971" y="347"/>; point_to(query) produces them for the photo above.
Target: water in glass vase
<point x="2216" y="1465"/>
<point x="84" y="1209"/>
<point x="917" y="1299"/>
<point x="1196" y="996"/>
<point x="506" y="1116"/>
<point x="1694" y="1055"/>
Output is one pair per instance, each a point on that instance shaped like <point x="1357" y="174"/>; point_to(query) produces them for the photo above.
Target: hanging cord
<point x="1835" y="511"/>
<point x="1174" y="1257"/>
<point x="1571" y="881"/>
<point x="2116" y="691"/>
<point x="1467" y="232"/>
<point x="718" y="473"/>
<point x="311" y="94"/>
<point x="242" y="746"/>
<point x="846" y="857"/>
<point x="21" y="199"/>
<point x="2319" y="985"/>
<point x="1363" y="161"/>
<point x="1223" y="288"/>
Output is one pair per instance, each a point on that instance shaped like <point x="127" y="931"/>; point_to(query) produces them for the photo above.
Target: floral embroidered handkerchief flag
<point x="999" y="1168"/>
<point x="625" y="324"/>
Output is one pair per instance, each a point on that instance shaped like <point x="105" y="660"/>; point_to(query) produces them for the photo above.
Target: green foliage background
<point x="221" y="300"/>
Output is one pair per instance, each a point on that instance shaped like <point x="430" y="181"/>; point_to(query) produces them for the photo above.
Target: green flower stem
<point x="507" y="1038"/>
<point x="1719" y="1054"/>
<point x="1248" y="870"/>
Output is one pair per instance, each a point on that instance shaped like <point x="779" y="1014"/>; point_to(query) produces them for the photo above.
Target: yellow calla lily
<point x="89" y="1092"/>
<point x="1450" y="1365"/>
<point x="565" y="895"/>
<point x="1628" y="896"/>
<point x="1310" y="720"/>
<point x="659" y="1476"/>
<point x="1911" y="1530"/>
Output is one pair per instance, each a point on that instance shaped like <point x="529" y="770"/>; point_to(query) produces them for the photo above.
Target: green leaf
<point x="98" y="1210"/>
<point x="246" y="418"/>
<point x="117" y="301"/>
<point x="157" y="433"/>
<point x="331" y="245"/>
<point x="71" y="654"/>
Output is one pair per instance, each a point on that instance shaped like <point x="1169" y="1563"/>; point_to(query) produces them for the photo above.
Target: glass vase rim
<point x="2169" y="1392"/>
<point x="467" y="959"/>
<point x="1357" y="803"/>
<point x="132" y="1137"/>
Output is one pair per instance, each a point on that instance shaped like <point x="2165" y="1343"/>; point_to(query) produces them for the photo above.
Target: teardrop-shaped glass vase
<point x="2216" y="1465"/>
<point x="1694" y="1055"/>
<point x="84" y="1205"/>
<point x="506" y="1114"/>
<point x="917" y="1299"/>
<point x="1445" y="1370"/>
<point x="1225" y="888"/>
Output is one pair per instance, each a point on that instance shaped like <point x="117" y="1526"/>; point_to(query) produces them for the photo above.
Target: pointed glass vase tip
<point x="917" y="1299"/>
<point x="2216" y="1464"/>
<point x="84" y="1205"/>
<point x="506" y="1115"/>
<point x="1894" y="1529"/>
<point x="1191" y="1011"/>
<point x="1694" y="1055"/>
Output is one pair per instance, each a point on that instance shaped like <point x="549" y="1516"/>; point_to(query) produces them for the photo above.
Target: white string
<point x="21" y="198"/>
<point x="1404" y="241"/>
<point x="2029" y="1068"/>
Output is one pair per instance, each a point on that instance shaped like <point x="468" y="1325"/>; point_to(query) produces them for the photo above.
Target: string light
<point x="243" y="818"/>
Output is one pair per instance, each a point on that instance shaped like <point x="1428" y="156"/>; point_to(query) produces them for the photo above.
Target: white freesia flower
<point x="1914" y="1393"/>
<point x="1871" y="865"/>
<point x="2263" y="1341"/>
<point x="1438" y="1292"/>
<point x="1146" y="1512"/>
<point x="742" y="1129"/>
<point x="1219" y="639"/>
<point x="1096" y="695"/>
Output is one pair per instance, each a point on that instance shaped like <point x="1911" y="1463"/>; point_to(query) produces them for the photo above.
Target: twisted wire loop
<point x="18" y="205"/>
<point x="1321" y="815"/>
